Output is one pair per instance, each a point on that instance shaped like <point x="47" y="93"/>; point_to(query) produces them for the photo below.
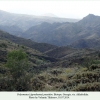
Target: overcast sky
<point x="67" y="9"/>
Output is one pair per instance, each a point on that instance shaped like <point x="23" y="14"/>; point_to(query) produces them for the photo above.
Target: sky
<point x="61" y="8"/>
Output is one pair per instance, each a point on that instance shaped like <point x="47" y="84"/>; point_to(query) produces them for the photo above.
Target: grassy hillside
<point x="71" y="71"/>
<point x="72" y="74"/>
<point x="35" y="61"/>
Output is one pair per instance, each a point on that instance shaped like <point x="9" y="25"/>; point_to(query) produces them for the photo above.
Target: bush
<point x="6" y="84"/>
<point x="37" y="85"/>
<point x="93" y="67"/>
<point x="23" y="84"/>
<point x="56" y="72"/>
<point x="55" y="80"/>
<point x="3" y="70"/>
<point x="88" y="74"/>
<point x="87" y="87"/>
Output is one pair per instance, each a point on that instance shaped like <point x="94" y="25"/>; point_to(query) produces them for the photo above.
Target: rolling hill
<point x="68" y="52"/>
<point x="42" y="47"/>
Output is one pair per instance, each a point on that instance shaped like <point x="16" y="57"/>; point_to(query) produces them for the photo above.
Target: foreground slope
<point x="76" y="71"/>
<point x="73" y="70"/>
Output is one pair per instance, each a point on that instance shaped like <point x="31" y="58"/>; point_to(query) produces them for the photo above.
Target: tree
<point x="17" y="62"/>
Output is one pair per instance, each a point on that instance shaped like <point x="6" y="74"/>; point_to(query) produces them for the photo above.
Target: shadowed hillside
<point x="87" y="43"/>
<point x="38" y="46"/>
<point x="73" y="72"/>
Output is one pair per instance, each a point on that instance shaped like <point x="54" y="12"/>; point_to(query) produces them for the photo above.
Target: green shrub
<point x="87" y="74"/>
<point x="55" y="80"/>
<point x="23" y="84"/>
<point x="17" y="63"/>
<point x="37" y="85"/>
<point x="6" y="84"/>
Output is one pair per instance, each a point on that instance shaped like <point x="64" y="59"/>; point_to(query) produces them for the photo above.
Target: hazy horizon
<point x="63" y="9"/>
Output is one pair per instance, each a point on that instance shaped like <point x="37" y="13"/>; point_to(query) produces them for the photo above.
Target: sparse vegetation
<point x="23" y="70"/>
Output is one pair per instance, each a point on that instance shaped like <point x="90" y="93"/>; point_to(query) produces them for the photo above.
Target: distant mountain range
<point x="26" y="21"/>
<point x="84" y="33"/>
<point x="49" y="15"/>
<point x="63" y="34"/>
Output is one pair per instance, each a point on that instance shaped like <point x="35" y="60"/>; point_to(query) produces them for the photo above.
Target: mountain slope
<point x="42" y="47"/>
<point x="15" y="30"/>
<point x="80" y="73"/>
<point x="62" y="34"/>
<point x="60" y="52"/>
<point x="57" y="33"/>
<point x="87" y="43"/>
<point x="69" y="52"/>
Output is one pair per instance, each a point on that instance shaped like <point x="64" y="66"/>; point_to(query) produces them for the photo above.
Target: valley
<point x="49" y="53"/>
